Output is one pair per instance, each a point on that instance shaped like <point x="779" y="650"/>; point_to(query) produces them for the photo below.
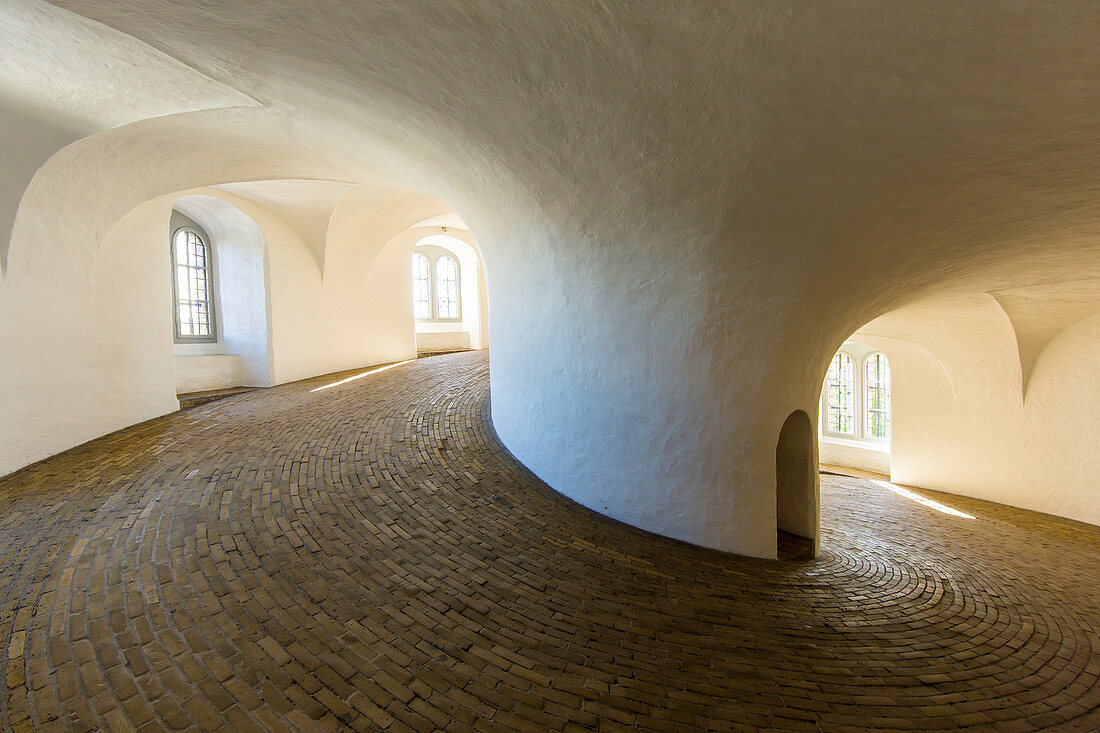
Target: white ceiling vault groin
<point x="684" y="208"/>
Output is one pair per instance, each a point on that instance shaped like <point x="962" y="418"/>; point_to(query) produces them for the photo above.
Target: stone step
<point x="194" y="399"/>
<point x="438" y="352"/>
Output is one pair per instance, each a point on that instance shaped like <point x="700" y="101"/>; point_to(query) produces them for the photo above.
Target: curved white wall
<point x="88" y="336"/>
<point x="639" y="384"/>
<point x="962" y="423"/>
<point x="1063" y="427"/>
<point x="87" y="345"/>
<point x="28" y="138"/>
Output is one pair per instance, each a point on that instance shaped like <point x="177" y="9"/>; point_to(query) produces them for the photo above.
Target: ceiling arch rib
<point x="1039" y="314"/>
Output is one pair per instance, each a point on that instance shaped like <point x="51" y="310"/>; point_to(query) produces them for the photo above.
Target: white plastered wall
<point x="360" y="311"/>
<point x="86" y="347"/>
<point x="88" y="329"/>
<point x="28" y="137"/>
<point x="616" y="380"/>
<point x="962" y="423"/>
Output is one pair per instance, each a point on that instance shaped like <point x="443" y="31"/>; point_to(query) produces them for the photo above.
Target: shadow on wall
<point x="796" y="479"/>
<point x="28" y="137"/>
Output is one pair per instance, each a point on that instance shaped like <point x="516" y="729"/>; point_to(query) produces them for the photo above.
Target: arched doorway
<point x="796" y="488"/>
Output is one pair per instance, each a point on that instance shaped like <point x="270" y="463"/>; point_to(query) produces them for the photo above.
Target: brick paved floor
<point x="369" y="556"/>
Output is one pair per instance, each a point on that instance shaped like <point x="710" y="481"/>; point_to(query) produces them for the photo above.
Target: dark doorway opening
<point x="796" y="489"/>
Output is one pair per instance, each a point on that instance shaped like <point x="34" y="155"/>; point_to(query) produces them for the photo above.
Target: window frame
<point x="431" y="289"/>
<point x="854" y="403"/>
<point x="866" y="411"/>
<point x="433" y="254"/>
<point x="860" y="422"/>
<point x="438" y="295"/>
<point x="211" y="292"/>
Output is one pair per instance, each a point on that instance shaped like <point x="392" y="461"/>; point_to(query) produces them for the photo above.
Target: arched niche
<point x="471" y="290"/>
<point x="859" y="445"/>
<point x="241" y="355"/>
<point x="796" y="484"/>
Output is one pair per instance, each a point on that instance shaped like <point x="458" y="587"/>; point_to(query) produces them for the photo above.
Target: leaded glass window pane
<point x="840" y="385"/>
<point x="422" y="306"/>
<point x="193" y="285"/>
<point x="877" y="419"/>
<point x="447" y="284"/>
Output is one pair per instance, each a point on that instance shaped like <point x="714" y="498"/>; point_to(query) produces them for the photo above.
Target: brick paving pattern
<point x="370" y="557"/>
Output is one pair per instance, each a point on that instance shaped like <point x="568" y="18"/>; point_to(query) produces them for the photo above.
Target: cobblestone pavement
<point x="369" y="556"/>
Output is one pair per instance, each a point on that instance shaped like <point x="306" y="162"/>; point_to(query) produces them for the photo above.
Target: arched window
<point x="446" y="273"/>
<point x="194" y="287"/>
<point x="422" y="302"/>
<point x="841" y="388"/>
<point x="876" y="421"/>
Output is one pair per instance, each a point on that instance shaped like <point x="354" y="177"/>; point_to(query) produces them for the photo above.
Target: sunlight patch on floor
<point x="922" y="500"/>
<point x="360" y="376"/>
